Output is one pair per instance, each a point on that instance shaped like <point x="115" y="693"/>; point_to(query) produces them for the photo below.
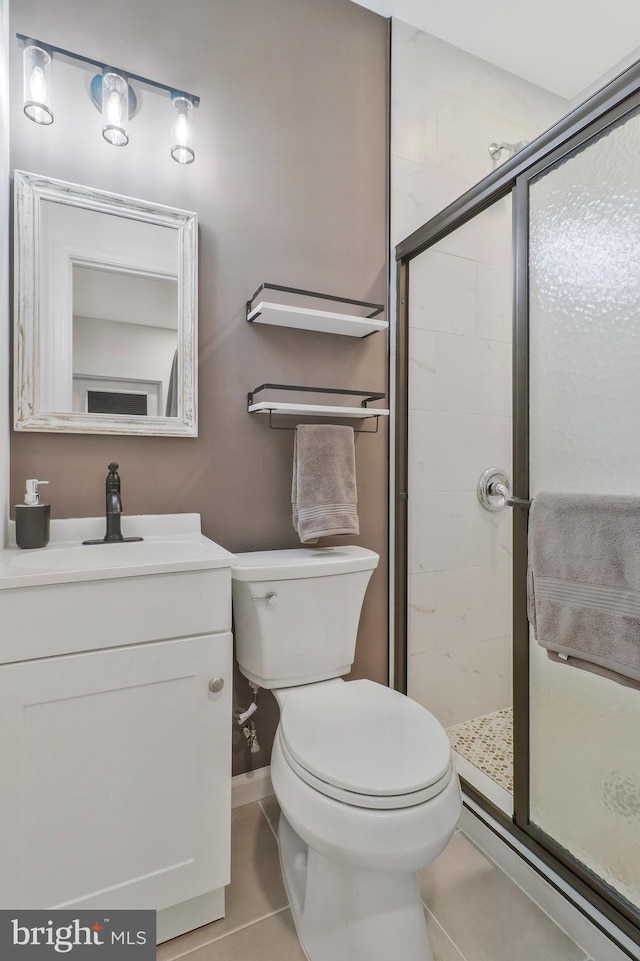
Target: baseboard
<point x="252" y="786"/>
<point x="180" y="918"/>
<point x="566" y="907"/>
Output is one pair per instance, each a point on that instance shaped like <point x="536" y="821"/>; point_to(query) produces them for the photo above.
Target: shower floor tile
<point x="487" y="743"/>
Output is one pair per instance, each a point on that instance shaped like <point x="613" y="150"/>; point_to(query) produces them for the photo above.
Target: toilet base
<point x="343" y="913"/>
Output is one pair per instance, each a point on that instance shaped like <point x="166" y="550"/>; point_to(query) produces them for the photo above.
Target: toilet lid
<point x="365" y="739"/>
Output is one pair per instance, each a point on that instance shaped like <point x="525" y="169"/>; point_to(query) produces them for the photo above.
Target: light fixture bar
<point x="70" y="57"/>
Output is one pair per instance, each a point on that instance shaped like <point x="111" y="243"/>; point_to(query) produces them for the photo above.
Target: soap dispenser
<point x="32" y="518"/>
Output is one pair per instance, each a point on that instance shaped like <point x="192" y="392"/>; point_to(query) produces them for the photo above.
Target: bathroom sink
<point x="103" y="556"/>
<point x="172" y="543"/>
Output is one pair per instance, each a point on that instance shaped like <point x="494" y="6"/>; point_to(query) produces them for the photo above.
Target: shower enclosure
<point x="519" y="348"/>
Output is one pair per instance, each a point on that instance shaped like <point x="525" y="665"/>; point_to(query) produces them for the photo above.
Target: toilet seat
<point x="364" y="744"/>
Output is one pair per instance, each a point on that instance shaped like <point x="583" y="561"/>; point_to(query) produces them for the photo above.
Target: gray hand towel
<point x="584" y="579"/>
<point x="323" y="491"/>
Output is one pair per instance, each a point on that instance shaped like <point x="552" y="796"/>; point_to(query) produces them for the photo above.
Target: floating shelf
<point x="316" y="410"/>
<point x="308" y="318"/>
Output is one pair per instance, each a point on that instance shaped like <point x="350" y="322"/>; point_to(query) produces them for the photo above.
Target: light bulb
<point x="114" y="115"/>
<point x="182" y="150"/>
<point x="115" y="108"/>
<point x="181" y="129"/>
<point x="37" y="84"/>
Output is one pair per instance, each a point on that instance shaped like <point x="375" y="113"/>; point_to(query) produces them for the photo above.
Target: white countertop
<point x="172" y="542"/>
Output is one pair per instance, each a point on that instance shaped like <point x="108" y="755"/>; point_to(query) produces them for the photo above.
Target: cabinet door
<point x="116" y="776"/>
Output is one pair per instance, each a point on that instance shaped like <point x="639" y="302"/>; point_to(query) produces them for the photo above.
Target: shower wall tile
<point x="422" y="371"/>
<point x="494" y="303"/>
<point x="421" y="626"/>
<point x="419" y="193"/>
<point x="486" y="239"/>
<point x="463" y="682"/>
<point x="449" y="530"/>
<point x="491" y="534"/>
<point x="425" y="63"/>
<point x="472" y="605"/>
<point x="472" y="375"/>
<point x="462" y="126"/>
<point x="414" y="106"/>
<point x="439" y="531"/>
<point x="442" y="294"/>
<point x="455" y="374"/>
<point x="452" y="608"/>
<point x="449" y="451"/>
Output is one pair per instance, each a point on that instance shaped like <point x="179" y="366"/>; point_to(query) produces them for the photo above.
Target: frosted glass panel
<point x="585" y="437"/>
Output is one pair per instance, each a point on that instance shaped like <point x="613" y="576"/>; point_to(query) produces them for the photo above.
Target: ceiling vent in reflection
<point x="114" y="402"/>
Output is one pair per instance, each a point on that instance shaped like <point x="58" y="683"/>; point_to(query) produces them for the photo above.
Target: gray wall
<point x="289" y="185"/>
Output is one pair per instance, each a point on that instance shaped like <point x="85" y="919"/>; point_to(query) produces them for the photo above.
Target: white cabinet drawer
<point x="55" y="619"/>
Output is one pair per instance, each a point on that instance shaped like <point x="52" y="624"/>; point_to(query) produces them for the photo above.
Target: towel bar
<point x="519" y="502"/>
<point x="356" y="430"/>
<point x="298" y="409"/>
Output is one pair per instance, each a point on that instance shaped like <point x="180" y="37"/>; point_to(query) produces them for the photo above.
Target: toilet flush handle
<point x="271" y="598"/>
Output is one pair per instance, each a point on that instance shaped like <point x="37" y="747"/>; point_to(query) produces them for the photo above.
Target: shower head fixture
<point x="495" y="149"/>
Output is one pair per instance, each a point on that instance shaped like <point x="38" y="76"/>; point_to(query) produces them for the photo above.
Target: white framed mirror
<point x="105" y="307"/>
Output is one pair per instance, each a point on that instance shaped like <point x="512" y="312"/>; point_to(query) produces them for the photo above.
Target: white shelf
<point x="306" y="318"/>
<point x="316" y="410"/>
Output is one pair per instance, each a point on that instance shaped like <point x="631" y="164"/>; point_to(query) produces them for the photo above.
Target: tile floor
<point x="475" y="912"/>
<point x="487" y="742"/>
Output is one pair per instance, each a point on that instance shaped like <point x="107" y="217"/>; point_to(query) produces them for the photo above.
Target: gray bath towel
<point x="583" y="588"/>
<point x="323" y="492"/>
<point x="592" y="668"/>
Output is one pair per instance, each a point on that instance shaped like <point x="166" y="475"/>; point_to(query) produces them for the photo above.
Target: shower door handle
<point x="495" y="492"/>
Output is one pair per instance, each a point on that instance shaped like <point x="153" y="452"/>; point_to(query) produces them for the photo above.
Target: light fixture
<point x="112" y="93"/>
<point x="36" y="65"/>
<point x="115" y="108"/>
<point x="182" y="149"/>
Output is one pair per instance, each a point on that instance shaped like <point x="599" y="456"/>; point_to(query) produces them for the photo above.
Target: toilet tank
<point x="296" y="612"/>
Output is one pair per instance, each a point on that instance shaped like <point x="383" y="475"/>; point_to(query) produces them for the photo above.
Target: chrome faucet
<point x="113" y="534"/>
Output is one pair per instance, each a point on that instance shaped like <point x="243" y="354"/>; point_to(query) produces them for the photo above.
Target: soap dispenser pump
<point x="32" y="518"/>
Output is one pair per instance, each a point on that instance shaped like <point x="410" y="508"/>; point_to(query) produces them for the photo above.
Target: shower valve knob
<point x="494" y="489"/>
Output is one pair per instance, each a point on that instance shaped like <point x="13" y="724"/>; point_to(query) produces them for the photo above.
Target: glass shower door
<point x="459" y="639"/>
<point x="584" y="423"/>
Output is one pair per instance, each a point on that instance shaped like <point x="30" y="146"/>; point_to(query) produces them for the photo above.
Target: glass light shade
<point x="115" y="108"/>
<point x="182" y="149"/>
<point x="37" y="84"/>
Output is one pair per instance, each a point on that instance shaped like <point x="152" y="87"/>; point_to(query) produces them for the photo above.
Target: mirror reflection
<point x="109" y="329"/>
<point x="125" y="338"/>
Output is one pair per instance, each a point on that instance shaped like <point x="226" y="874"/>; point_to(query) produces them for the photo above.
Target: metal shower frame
<point x="612" y="102"/>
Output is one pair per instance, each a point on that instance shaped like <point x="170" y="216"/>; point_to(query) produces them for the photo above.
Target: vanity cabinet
<point x="115" y="735"/>
<point x="114" y="765"/>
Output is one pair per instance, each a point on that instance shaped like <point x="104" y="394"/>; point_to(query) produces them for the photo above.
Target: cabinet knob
<point x="216" y="684"/>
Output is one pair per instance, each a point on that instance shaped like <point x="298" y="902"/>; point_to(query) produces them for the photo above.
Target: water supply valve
<point x="245" y="715"/>
<point x="251" y="737"/>
<point x="249" y="730"/>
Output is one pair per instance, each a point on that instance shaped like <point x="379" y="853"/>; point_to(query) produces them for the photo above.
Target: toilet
<point x="363" y="775"/>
